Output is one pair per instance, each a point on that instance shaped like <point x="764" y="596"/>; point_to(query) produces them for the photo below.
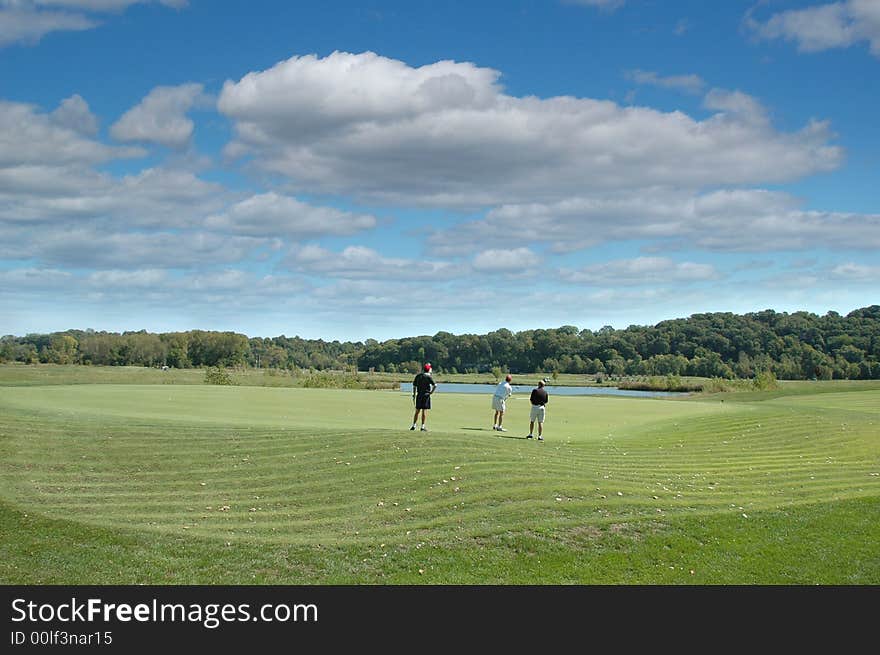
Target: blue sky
<point x="368" y="169"/>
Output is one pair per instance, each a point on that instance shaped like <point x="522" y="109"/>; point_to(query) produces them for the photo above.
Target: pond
<point x="525" y="390"/>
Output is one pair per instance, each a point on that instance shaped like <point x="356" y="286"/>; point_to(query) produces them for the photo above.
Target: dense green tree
<point x="62" y="349"/>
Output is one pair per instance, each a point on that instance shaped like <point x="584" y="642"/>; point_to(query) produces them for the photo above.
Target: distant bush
<point x="765" y="381"/>
<point x="217" y="375"/>
<point x="328" y="380"/>
<point x="660" y="383"/>
<point x="717" y="385"/>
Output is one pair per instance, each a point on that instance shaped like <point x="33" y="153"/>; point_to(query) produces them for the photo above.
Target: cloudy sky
<point x="378" y="169"/>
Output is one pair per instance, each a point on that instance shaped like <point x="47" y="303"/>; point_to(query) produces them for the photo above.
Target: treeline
<point x="192" y="349"/>
<point x="793" y="346"/>
<point x="800" y="345"/>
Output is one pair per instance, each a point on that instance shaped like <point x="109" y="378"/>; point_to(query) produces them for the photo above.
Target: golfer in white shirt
<point x="499" y="402"/>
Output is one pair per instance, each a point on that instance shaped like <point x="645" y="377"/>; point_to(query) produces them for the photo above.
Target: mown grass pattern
<point x="335" y="480"/>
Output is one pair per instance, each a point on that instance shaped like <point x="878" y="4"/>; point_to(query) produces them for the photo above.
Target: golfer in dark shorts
<point x="539" y="399"/>
<point x="423" y="387"/>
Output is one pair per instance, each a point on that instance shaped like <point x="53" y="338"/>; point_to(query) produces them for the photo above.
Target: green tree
<point x="63" y="350"/>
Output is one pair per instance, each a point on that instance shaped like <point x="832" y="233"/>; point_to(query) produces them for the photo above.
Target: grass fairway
<point x="192" y="484"/>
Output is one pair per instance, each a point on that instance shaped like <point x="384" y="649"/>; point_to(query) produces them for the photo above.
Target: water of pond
<point x="462" y="387"/>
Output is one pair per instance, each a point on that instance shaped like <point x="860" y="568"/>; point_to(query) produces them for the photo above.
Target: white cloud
<point x="271" y="214"/>
<point x="48" y="179"/>
<point x="133" y="297"/>
<point x="506" y="261"/>
<point x="58" y="209"/>
<point x="736" y="104"/>
<point x="74" y="113"/>
<point x="386" y="300"/>
<point x="606" y="5"/>
<point x="161" y="116"/>
<point x="688" y="83"/>
<point x="28" y="21"/>
<point x="738" y="220"/>
<point x="55" y="207"/>
<point x="802" y="281"/>
<point x="192" y="286"/>
<point x="22" y="24"/>
<point x="91" y="245"/>
<point x="651" y="271"/>
<point x="31" y="138"/>
<point x="139" y="279"/>
<point x="822" y="27"/>
<point x="853" y="272"/>
<point x="45" y="279"/>
<point x="103" y="5"/>
<point x="445" y="133"/>
<point x="359" y="262"/>
<point x="70" y="195"/>
<point x="348" y="90"/>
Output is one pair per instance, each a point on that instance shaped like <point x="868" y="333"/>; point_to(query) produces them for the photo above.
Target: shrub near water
<point x="217" y="375"/>
<point x="764" y="381"/>
<point x="660" y="383"/>
<point x="325" y="380"/>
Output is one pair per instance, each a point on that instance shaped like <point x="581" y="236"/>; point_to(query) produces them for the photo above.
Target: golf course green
<point x="196" y="484"/>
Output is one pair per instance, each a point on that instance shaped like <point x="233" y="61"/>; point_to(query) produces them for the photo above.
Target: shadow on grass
<point x="503" y="436"/>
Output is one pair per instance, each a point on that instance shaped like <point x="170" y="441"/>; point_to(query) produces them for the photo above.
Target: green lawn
<point x="185" y="484"/>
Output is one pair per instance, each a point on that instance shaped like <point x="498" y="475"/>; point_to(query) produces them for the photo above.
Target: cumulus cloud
<point x="381" y="300"/>
<point x="640" y="271"/>
<point x="103" y="5"/>
<point x="693" y="84"/>
<point x="505" y="261"/>
<point x="153" y="198"/>
<point x="48" y="178"/>
<point x="139" y="279"/>
<point x="738" y="105"/>
<point x="823" y="27"/>
<point x="161" y="116"/>
<point x="29" y="137"/>
<point x="361" y="296"/>
<point x="359" y="262"/>
<point x="95" y="248"/>
<point x="148" y="289"/>
<point x="727" y="220"/>
<point x="21" y="23"/>
<point x="74" y="113"/>
<point x="446" y="133"/>
<point x="28" y="21"/>
<point x="606" y="5"/>
<point x="30" y="279"/>
<point x="349" y="90"/>
<point x="57" y="208"/>
<point x="191" y="285"/>
<point x="272" y="214"/>
<point x="852" y="272"/>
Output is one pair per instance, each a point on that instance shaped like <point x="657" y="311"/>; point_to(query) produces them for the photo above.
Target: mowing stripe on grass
<point x="325" y="466"/>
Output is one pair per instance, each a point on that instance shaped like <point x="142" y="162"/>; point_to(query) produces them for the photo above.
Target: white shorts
<point x="498" y="404"/>
<point x="537" y="413"/>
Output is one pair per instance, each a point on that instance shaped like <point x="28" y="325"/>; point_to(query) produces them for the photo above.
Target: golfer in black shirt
<point x="423" y="387"/>
<point x="539" y="399"/>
